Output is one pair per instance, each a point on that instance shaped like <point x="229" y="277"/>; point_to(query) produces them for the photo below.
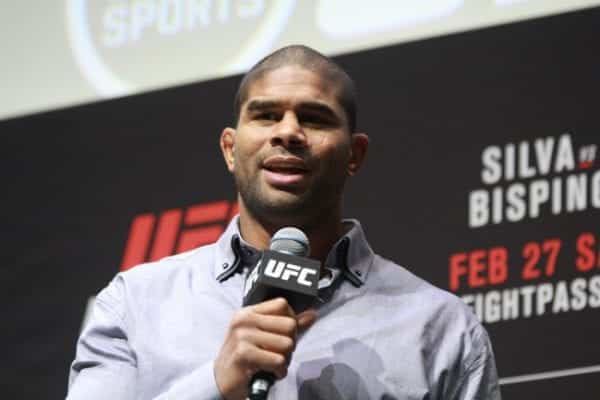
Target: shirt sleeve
<point x="105" y="365"/>
<point x="479" y="380"/>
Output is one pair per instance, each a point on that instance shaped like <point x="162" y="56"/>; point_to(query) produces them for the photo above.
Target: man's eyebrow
<point x="259" y="105"/>
<point x="317" y="107"/>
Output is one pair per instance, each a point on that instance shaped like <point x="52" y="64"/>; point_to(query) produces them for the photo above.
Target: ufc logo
<point x="175" y="231"/>
<point x="281" y="270"/>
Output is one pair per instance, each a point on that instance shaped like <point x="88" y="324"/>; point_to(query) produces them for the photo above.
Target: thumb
<point x="306" y="318"/>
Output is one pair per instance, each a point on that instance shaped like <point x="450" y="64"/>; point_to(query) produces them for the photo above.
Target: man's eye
<point x="267" y="116"/>
<point x="314" y="120"/>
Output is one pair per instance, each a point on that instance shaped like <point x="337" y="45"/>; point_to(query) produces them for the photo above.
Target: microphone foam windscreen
<point x="291" y="241"/>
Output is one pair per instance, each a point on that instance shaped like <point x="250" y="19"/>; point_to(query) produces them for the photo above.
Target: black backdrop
<point x="74" y="180"/>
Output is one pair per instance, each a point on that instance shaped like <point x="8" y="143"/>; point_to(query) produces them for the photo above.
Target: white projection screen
<point x="61" y="53"/>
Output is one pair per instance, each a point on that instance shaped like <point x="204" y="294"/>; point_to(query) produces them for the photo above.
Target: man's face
<point x="291" y="151"/>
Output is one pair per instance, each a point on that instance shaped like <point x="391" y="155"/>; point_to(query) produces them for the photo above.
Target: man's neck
<point x="322" y="235"/>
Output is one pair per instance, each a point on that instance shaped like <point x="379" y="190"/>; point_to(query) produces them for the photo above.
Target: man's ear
<point x="359" y="147"/>
<point x="227" y="143"/>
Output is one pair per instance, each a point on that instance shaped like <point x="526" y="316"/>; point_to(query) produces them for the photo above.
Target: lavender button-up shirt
<point x="382" y="332"/>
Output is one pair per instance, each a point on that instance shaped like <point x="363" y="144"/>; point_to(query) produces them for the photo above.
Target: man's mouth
<point x="284" y="170"/>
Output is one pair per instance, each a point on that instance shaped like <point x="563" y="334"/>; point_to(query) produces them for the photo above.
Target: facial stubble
<point x="305" y="209"/>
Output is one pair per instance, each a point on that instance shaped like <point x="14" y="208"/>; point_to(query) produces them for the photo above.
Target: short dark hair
<point x="311" y="60"/>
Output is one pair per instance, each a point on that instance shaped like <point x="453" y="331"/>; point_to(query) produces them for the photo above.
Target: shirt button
<point x="357" y="272"/>
<point x="225" y="265"/>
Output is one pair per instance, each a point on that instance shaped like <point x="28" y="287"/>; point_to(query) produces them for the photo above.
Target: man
<point x="176" y="329"/>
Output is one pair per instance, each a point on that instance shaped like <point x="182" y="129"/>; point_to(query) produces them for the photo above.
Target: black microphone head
<point x="290" y="240"/>
<point x="284" y="271"/>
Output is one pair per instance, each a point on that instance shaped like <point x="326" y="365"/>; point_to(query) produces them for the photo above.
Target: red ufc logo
<point x="176" y="231"/>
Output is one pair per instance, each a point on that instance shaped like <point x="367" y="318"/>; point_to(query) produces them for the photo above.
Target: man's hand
<point x="261" y="337"/>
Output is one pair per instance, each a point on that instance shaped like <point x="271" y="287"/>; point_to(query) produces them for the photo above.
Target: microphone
<point x="282" y="271"/>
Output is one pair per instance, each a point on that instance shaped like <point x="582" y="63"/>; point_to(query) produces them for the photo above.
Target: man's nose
<point x="288" y="132"/>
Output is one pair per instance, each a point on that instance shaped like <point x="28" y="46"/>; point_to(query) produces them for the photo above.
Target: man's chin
<point x="277" y="206"/>
<point x="282" y="195"/>
<point x="284" y="202"/>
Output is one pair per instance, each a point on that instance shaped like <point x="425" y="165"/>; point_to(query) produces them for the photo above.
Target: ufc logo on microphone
<point x="281" y="270"/>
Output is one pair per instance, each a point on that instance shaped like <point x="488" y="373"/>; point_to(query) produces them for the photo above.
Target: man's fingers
<point x="287" y="326"/>
<point x="259" y="359"/>
<point x="275" y="343"/>
<point x="276" y="316"/>
<point x="260" y="337"/>
<point x="277" y="306"/>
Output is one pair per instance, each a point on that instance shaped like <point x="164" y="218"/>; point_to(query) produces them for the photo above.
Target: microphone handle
<point x="259" y="385"/>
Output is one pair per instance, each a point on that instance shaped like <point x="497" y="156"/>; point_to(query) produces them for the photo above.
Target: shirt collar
<point x="351" y="254"/>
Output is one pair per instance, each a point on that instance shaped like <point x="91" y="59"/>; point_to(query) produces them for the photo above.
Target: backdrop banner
<point x="481" y="178"/>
